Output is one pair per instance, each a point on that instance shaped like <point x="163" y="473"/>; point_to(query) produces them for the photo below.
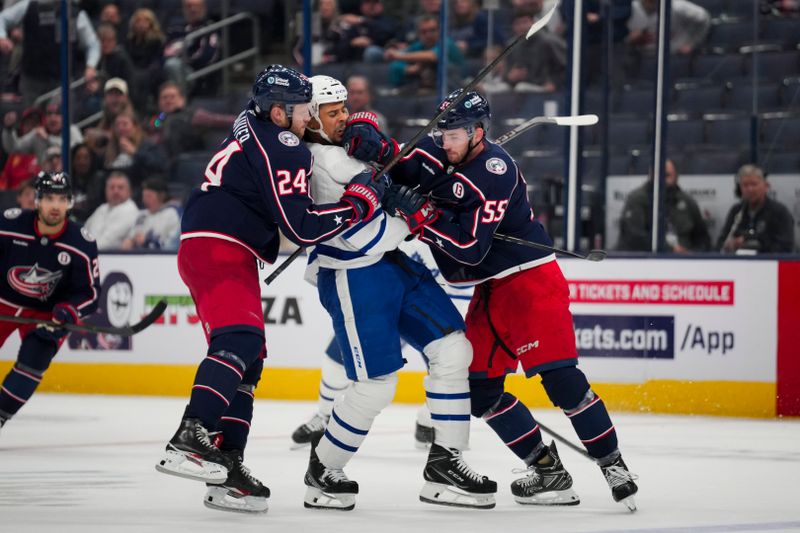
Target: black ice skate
<point x="191" y="454"/>
<point x="450" y="481"/>
<point x="240" y="492"/>
<point x="546" y="484"/>
<point x="310" y="431"/>
<point x="328" y="488"/>
<point x="621" y="482"/>
<point x="423" y="437"/>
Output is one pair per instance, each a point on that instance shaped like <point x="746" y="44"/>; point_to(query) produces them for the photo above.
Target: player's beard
<point x="52" y="219"/>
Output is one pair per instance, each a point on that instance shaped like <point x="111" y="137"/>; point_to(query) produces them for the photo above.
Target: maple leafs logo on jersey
<point x="33" y="281"/>
<point x="496" y="165"/>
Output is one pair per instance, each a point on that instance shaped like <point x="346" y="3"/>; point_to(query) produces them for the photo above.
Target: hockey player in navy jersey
<point x="519" y="312"/>
<point x="255" y="185"/>
<point x="49" y="271"/>
<point x="377" y="295"/>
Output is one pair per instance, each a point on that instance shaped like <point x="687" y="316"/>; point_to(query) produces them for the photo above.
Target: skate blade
<point x="220" y="499"/>
<point x="630" y="503"/>
<point x="299" y="445"/>
<point x="176" y="463"/>
<point x="553" y="497"/>
<point x="440" y="494"/>
<point x="422" y="445"/>
<point x="317" y="499"/>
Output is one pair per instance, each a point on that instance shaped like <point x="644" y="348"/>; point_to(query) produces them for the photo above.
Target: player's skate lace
<point x="617" y="475"/>
<point x="532" y="477"/>
<point x="317" y="423"/>
<point x="336" y="475"/>
<point x="464" y="468"/>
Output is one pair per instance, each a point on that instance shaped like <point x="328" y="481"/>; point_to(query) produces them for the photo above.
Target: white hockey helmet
<point x="325" y="90"/>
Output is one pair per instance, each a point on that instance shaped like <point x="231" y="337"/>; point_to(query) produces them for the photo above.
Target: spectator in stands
<point x="686" y="230"/>
<point x="415" y="66"/>
<point x="145" y="45"/>
<point x="19" y="166"/>
<point x="199" y="53"/>
<point x="494" y="82"/>
<point x="114" y="60"/>
<point x="40" y="72"/>
<point x="38" y="140"/>
<point x="110" y="15"/>
<point x="112" y="221"/>
<point x="325" y="37"/>
<point x="537" y="65"/>
<point x="87" y="181"/>
<point x="158" y="225"/>
<point x="26" y="195"/>
<point x="52" y="161"/>
<point x="469" y="28"/>
<point x="365" y="36"/>
<point x="757" y="224"/>
<point x="115" y="102"/>
<point x="129" y="149"/>
<point x="359" y="98"/>
<point x="688" y="27"/>
<point x="426" y="7"/>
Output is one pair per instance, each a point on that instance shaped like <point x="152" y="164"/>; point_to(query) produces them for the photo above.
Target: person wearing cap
<point x="115" y="102"/>
<point x="158" y="226"/>
<point x="40" y="71"/>
<point x="38" y="140"/>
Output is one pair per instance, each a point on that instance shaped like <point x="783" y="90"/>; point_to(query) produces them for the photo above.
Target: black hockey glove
<point x="363" y="139"/>
<point x="62" y="313"/>
<point x="414" y="208"/>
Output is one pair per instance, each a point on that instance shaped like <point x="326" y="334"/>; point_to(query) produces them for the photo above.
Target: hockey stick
<point x="576" y="120"/>
<point x="564" y="441"/>
<point x="409" y="146"/>
<point x="593" y="255"/>
<point x="125" y="331"/>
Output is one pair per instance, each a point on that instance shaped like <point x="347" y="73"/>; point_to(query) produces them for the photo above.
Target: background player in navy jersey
<point x="48" y="270"/>
<point x="519" y="312"/>
<point x="376" y="295"/>
<point x="255" y="185"/>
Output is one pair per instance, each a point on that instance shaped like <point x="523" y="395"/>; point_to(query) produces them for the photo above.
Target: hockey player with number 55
<point x="377" y="295"/>
<point x="254" y="186"/>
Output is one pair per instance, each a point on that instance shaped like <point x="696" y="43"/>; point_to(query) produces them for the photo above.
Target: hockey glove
<point x="414" y="208"/>
<point x="364" y="193"/>
<point x="62" y="313"/>
<point x="363" y="139"/>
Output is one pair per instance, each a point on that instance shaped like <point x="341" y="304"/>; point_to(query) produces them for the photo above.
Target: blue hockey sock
<point x="215" y="384"/>
<point x="514" y="424"/>
<point x="235" y="421"/>
<point x="18" y="387"/>
<point x="593" y="426"/>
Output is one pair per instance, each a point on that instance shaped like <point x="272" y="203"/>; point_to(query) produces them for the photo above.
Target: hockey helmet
<point x="472" y="109"/>
<point x="325" y="90"/>
<point x="53" y="183"/>
<point x="277" y="84"/>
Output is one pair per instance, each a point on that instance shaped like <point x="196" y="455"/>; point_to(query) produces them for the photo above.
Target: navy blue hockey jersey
<point x="40" y="271"/>
<point x="256" y="184"/>
<point x="486" y="195"/>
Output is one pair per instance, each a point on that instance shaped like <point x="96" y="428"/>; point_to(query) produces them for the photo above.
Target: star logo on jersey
<point x="337" y="219"/>
<point x="496" y="165"/>
<point x="439" y="243"/>
<point x="288" y="138"/>
<point x="33" y="281"/>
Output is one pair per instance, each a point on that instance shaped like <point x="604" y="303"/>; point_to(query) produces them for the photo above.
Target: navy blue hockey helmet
<point x="54" y="183"/>
<point x="277" y="84"/>
<point x="471" y="110"/>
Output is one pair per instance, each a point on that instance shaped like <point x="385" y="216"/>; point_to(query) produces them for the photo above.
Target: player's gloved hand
<point x="414" y="208"/>
<point x="363" y="139"/>
<point x="62" y="313"/>
<point x="364" y="193"/>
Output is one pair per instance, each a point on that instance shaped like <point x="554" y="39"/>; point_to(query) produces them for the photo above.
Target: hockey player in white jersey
<point x="375" y="296"/>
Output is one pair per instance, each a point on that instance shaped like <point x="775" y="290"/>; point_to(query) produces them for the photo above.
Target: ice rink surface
<point x="83" y="464"/>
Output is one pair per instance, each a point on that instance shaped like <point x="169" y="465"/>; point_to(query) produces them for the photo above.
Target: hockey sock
<point x="514" y="424"/>
<point x="593" y="426"/>
<point x="214" y="387"/>
<point x="18" y="387"/>
<point x="235" y="421"/>
<point x="447" y="389"/>
<point x="332" y="385"/>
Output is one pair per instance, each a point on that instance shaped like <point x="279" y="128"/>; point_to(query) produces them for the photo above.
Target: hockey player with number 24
<point x="254" y="186"/>
<point x="377" y="295"/>
<point x="519" y="312"/>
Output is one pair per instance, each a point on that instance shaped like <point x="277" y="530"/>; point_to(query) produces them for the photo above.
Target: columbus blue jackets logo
<point x="12" y="213"/>
<point x="33" y="281"/>
<point x="288" y="138"/>
<point x="496" y="165"/>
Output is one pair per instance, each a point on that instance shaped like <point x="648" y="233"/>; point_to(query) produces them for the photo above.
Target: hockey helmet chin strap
<point x="470" y="145"/>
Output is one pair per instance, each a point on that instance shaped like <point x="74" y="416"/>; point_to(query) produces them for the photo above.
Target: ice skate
<point x="423" y="437"/>
<point x="548" y="484"/>
<point x="241" y="492"/>
<point x="3" y="420"/>
<point x="328" y="488"/>
<point x="311" y="430"/>
<point x="450" y="481"/>
<point x="621" y="482"/>
<point x="191" y="454"/>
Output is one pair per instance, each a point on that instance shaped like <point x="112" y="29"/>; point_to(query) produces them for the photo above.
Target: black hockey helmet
<point x="52" y="182"/>
<point x="472" y="109"/>
<point x="277" y="84"/>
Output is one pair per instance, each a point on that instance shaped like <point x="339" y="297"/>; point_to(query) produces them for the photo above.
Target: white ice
<point x="72" y="464"/>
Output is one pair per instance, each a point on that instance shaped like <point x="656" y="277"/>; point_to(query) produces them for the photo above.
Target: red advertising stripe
<point x="788" y="387"/>
<point x="665" y="292"/>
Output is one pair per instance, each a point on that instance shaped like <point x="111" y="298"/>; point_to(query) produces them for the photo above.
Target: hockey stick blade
<point x="125" y="331"/>
<point x="593" y="255"/>
<point x="576" y="120"/>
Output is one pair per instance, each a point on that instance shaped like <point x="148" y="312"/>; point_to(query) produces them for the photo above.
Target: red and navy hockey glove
<point x="364" y="193"/>
<point x="62" y="313"/>
<point x="414" y="208"/>
<point x="363" y="139"/>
